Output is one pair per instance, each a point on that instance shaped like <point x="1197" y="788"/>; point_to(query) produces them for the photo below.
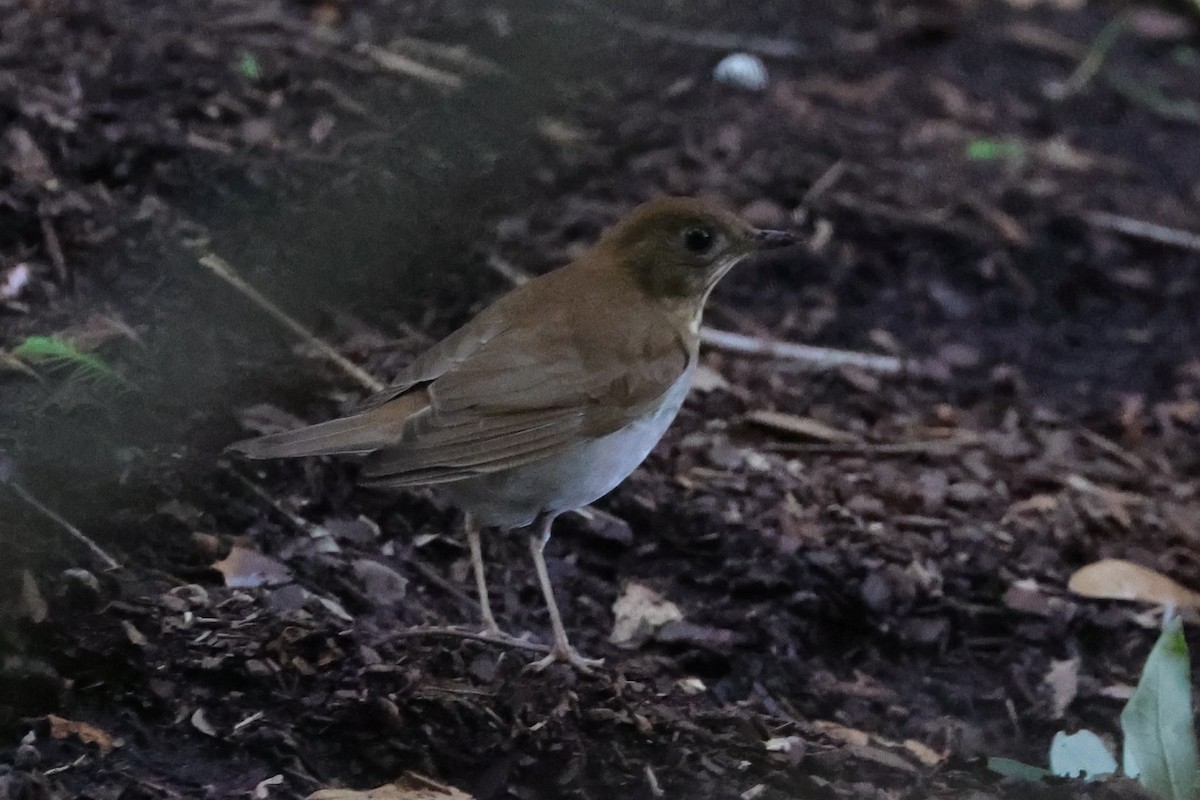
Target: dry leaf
<point x="924" y="753"/>
<point x="15" y="281"/>
<point x="200" y="722"/>
<point x="850" y="736"/>
<point x="706" y="379"/>
<point x="1063" y="680"/>
<point x="61" y="728"/>
<point x="248" y="569"/>
<point x="1117" y="579"/>
<point x="783" y="744"/>
<point x="639" y="612"/>
<point x="262" y="791"/>
<point x="133" y="634"/>
<point x="34" y="604"/>
<point x="1037" y="504"/>
<point x="411" y="786"/>
<point x="800" y="426"/>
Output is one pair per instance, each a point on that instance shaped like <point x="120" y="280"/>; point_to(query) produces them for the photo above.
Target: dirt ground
<point x="870" y="570"/>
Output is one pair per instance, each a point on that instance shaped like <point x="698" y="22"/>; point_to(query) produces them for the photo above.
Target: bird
<point x="551" y="396"/>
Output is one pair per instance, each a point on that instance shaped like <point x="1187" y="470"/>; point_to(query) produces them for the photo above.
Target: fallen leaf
<point x="639" y="612"/>
<point x="561" y="133"/>
<point x="15" y="281"/>
<point x="135" y="636"/>
<point x="262" y="791"/>
<point x="244" y="568"/>
<point x="1027" y="597"/>
<point x="800" y="426"/>
<point x="850" y="736"/>
<point x="200" y="722"/>
<point x="1080" y="755"/>
<point x="35" y="606"/>
<point x="783" y="744"/>
<point x="1117" y="579"/>
<point x="1063" y="680"/>
<point x="382" y="585"/>
<point x="924" y="753"/>
<point x="411" y="786"/>
<point x="1037" y="504"/>
<point x="706" y="379"/>
<point x="61" y="728"/>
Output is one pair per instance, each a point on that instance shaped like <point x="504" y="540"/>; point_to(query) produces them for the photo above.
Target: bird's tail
<point x="356" y="434"/>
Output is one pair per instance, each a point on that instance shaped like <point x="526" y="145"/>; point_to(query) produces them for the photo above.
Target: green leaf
<point x="1080" y="755"/>
<point x="249" y="67"/>
<point x="995" y="150"/>
<point x="55" y="353"/>
<point x="1160" y="740"/>
<point x="1011" y="768"/>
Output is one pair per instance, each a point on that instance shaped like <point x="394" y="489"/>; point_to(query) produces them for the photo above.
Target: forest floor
<point x="868" y="571"/>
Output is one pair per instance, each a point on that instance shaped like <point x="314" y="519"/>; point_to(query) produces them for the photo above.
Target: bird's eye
<point x="698" y="240"/>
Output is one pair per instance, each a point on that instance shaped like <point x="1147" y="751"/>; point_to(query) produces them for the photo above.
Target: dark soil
<point x="870" y="608"/>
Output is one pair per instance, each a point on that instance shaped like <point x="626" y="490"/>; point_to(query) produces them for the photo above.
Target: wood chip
<point x="806" y="427"/>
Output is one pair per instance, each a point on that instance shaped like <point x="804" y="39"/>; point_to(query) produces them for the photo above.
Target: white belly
<point x="573" y="478"/>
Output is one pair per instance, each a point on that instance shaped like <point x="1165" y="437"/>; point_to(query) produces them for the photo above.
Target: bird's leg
<point x="561" y="649"/>
<point x="490" y="628"/>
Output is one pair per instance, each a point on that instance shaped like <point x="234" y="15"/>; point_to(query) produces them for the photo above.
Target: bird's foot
<point x="566" y="654"/>
<point x="493" y="631"/>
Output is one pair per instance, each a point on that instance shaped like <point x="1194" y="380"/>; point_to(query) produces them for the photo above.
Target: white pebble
<point x="742" y="69"/>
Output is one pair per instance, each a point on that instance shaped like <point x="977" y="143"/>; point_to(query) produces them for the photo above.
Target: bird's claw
<point x="567" y="655"/>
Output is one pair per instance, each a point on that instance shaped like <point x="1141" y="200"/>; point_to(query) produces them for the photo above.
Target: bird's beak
<point x="768" y="240"/>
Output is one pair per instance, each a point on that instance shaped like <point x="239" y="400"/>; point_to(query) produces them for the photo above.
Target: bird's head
<point x="677" y="248"/>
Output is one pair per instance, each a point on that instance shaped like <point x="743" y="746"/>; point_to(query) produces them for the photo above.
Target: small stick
<point x="310" y="529"/>
<point x="54" y="248"/>
<point x="824" y="183"/>
<point x="431" y="575"/>
<point x="96" y="550"/>
<point x="455" y="633"/>
<point x="1139" y="229"/>
<point x="222" y="269"/>
<point x="403" y="65"/>
<point x="817" y="357"/>
<point x="1094" y="60"/>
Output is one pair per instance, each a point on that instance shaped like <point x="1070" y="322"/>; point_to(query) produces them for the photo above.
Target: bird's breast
<point x="572" y="478"/>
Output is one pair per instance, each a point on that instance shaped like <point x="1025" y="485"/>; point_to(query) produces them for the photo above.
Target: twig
<point x="431" y="575"/>
<point x="403" y="65"/>
<point x="1139" y="229"/>
<point x="302" y="525"/>
<point x="96" y="550"/>
<point x="1113" y="449"/>
<point x="507" y="270"/>
<point x="54" y="248"/>
<point x="458" y="55"/>
<point x="931" y="447"/>
<point x="222" y="269"/>
<point x="824" y="183"/>
<point x="1093" y="62"/>
<point x="455" y="633"/>
<point x="1152" y="99"/>
<point x="711" y="40"/>
<point x="815" y="357"/>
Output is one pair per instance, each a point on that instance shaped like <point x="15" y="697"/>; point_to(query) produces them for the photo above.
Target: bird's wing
<point x="527" y="393"/>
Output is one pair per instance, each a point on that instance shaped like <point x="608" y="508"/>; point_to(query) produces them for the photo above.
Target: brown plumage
<point x="555" y="392"/>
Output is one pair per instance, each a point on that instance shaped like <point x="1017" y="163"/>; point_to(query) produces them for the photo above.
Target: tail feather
<point x="353" y="435"/>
